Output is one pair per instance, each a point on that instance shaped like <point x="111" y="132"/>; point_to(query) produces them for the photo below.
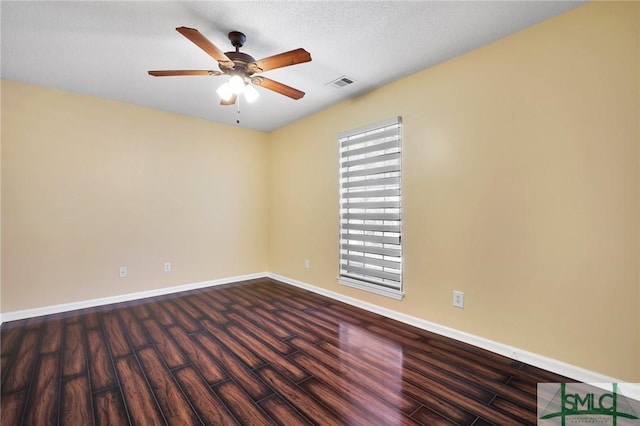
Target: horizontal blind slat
<point x="395" y="181"/>
<point x="371" y="238"/>
<point x="371" y="216"/>
<point x="372" y="160"/>
<point x="373" y="261"/>
<point x="372" y="273"/>
<point x="372" y="135"/>
<point x="372" y="249"/>
<point x="373" y="228"/>
<point x="378" y="193"/>
<point x="348" y="204"/>
<point x="371" y="171"/>
<point x="382" y="145"/>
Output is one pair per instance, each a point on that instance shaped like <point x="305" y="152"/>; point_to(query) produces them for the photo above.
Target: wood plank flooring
<point x="258" y="352"/>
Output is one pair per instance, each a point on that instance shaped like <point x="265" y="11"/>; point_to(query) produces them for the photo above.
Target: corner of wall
<point x="1" y="156"/>
<point x="638" y="169"/>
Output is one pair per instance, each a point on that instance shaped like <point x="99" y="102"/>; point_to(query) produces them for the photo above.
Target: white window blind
<point x="371" y="208"/>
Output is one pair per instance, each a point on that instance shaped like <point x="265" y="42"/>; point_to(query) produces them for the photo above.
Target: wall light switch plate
<point x="123" y="272"/>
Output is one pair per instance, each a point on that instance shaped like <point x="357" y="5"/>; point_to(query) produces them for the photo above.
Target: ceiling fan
<point x="240" y="67"/>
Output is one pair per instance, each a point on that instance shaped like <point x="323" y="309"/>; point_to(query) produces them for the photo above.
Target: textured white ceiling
<point x="105" y="48"/>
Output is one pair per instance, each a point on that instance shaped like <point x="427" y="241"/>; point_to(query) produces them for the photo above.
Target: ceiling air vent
<point x="341" y="82"/>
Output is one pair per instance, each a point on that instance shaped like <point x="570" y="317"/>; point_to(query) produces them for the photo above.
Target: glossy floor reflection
<point x="258" y="352"/>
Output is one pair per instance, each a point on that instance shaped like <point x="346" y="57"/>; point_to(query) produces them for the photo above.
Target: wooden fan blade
<point x="277" y="87"/>
<point x="203" y="43"/>
<point x="280" y="60"/>
<point x="231" y="101"/>
<point x="170" y="73"/>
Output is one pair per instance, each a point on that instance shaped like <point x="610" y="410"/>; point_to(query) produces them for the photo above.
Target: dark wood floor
<point x="258" y="352"/>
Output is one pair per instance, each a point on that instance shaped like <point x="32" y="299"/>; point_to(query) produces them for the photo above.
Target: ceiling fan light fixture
<point x="225" y="91"/>
<point x="239" y="68"/>
<point x="237" y="84"/>
<point x="250" y="93"/>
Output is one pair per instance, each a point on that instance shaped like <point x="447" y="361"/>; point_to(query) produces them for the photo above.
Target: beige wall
<point x="89" y="185"/>
<point x="521" y="189"/>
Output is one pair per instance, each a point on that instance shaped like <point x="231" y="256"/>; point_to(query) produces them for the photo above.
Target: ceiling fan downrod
<point x="237" y="40"/>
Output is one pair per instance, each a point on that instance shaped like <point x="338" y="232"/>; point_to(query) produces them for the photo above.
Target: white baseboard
<point x="47" y="310"/>
<point x="631" y="390"/>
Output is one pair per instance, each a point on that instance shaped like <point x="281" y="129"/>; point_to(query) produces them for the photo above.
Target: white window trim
<point x="351" y="281"/>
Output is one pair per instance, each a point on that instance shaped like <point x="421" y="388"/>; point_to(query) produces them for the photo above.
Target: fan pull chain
<point x="238" y="104"/>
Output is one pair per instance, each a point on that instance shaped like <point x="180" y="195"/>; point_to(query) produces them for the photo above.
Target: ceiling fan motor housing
<point x="240" y="60"/>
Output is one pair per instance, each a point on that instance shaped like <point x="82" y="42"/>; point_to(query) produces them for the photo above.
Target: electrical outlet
<point x="306" y="264"/>
<point x="458" y="299"/>
<point x="123" y="272"/>
<point x="167" y="267"/>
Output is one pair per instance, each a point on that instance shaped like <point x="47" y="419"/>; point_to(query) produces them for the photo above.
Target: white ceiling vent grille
<point x="341" y="82"/>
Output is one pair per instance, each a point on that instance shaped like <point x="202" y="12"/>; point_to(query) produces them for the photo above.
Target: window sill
<point x="372" y="288"/>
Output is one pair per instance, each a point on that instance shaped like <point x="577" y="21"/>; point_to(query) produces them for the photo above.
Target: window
<point x="371" y="208"/>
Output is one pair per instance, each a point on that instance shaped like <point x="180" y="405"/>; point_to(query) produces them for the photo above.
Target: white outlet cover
<point x="458" y="299"/>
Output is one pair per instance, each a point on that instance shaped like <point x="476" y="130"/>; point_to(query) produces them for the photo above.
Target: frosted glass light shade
<point x="225" y="91"/>
<point x="237" y="84"/>
<point x="250" y="93"/>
